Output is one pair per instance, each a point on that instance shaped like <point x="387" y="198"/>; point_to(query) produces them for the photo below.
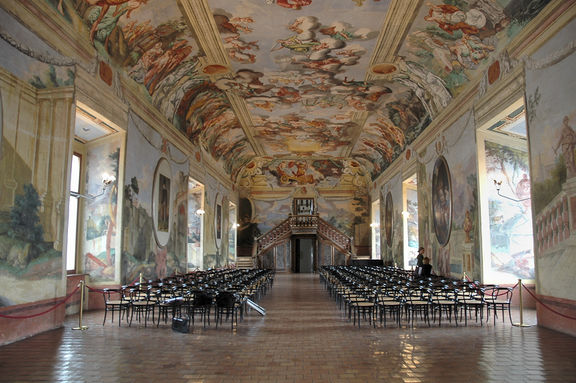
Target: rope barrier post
<point x="521" y="324"/>
<point x="80" y="327"/>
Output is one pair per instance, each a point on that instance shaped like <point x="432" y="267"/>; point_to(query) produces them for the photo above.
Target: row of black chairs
<point x="190" y="296"/>
<point x="373" y="293"/>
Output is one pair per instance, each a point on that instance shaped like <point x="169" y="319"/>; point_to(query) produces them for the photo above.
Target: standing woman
<point x="420" y="257"/>
<point x="419" y="260"/>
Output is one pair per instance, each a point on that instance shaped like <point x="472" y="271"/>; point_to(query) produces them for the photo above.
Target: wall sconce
<point x="498" y="184"/>
<point x="200" y="212"/>
<point x="107" y="180"/>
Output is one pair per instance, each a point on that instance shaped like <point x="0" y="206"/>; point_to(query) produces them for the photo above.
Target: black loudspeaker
<point x="180" y="324"/>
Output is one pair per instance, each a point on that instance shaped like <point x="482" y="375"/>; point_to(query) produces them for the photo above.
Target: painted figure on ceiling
<point x="105" y="6"/>
<point x="470" y="49"/>
<point x="450" y="18"/>
<point x="293" y="4"/>
<point x="294" y="171"/>
<point x="166" y="63"/>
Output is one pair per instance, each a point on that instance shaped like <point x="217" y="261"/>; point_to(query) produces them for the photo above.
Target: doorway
<point x="304" y="254"/>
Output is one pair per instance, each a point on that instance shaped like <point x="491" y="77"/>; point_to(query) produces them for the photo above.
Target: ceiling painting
<point x="152" y="43"/>
<point x="270" y="173"/>
<point x="301" y="74"/>
<point x="300" y="81"/>
<point x="451" y="41"/>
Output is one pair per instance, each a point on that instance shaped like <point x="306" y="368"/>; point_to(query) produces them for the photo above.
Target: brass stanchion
<point x="521" y="324"/>
<point x="80" y="327"/>
<point x="140" y="280"/>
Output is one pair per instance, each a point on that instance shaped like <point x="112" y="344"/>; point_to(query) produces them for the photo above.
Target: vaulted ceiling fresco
<point x="301" y="79"/>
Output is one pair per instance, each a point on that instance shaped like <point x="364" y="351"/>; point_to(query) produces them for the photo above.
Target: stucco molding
<point x="42" y="19"/>
<point x="543" y="27"/>
<point x="201" y="21"/>
<point x="200" y="18"/>
<point x="245" y="120"/>
<point x="396" y="24"/>
<point x="507" y="91"/>
<point x="102" y="99"/>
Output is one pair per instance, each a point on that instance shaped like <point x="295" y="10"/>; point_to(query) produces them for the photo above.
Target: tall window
<point x="233" y="222"/>
<point x="73" y="214"/>
<point x="375" y="226"/>
<point x="506" y="200"/>
<point x="195" y="224"/>
<point x="410" y="218"/>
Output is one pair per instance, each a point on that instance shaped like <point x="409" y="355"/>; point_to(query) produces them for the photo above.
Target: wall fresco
<point x="391" y="222"/>
<point x="100" y="227"/>
<point x="462" y="252"/>
<point x="551" y="114"/>
<point x="141" y="252"/>
<point x="511" y="255"/>
<point x="32" y="177"/>
<point x="30" y="59"/>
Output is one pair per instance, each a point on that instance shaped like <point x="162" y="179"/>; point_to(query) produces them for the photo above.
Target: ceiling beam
<point x="201" y="20"/>
<point x="396" y="25"/>
<point x="245" y="119"/>
<point x="359" y="118"/>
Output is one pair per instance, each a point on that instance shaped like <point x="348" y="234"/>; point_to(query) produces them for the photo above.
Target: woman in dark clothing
<point x="420" y="258"/>
<point x="426" y="269"/>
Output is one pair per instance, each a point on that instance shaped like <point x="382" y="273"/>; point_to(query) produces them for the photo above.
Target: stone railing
<point x="553" y="223"/>
<point x="273" y="237"/>
<point x="335" y="236"/>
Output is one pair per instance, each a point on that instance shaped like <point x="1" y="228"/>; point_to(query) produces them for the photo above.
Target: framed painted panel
<point x="388" y="214"/>
<point x="161" y="202"/>
<point x="1" y="120"/>
<point x="218" y="220"/>
<point x="442" y="201"/>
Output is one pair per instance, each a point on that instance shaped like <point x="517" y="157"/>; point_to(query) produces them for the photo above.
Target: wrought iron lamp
<point x="107" y="180"/>
<point x="498" y="185"/>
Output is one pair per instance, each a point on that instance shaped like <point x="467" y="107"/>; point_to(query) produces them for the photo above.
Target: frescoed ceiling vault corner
<point x="296" y="80"/>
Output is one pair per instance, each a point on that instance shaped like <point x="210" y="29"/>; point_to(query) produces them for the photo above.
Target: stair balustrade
<point x="304" y="224"/>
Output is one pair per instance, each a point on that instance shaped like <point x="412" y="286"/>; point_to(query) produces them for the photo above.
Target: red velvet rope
<point x="43" y="312"/>
<point x="94" y="289"/>
<point x="503" y="293"/>
<point x="546" y="306"/>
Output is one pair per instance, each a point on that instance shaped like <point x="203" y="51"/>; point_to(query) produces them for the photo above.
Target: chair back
<point x="226" y="299"/>
<point x="202" y="299"/>
<point x="500" y="294"/>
